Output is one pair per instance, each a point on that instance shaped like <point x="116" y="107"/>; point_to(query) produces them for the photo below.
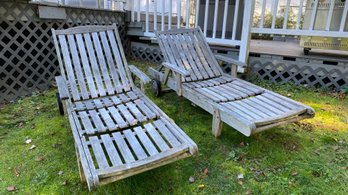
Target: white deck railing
<point x="310" y="18"/>
<point x="231" y="22"/>
<point x="94" y="4"/>
<point x="186" y="13"/>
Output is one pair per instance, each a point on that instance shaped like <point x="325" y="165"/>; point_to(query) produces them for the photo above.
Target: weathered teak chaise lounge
<point x="118" y="131"/>
<point x="197" y="76"/>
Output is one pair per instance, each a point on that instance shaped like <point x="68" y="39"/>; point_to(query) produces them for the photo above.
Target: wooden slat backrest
<point x="92" y="61"/>
<point x="188" y="49"/>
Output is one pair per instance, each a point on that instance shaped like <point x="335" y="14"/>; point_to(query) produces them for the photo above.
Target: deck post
<point x="246" y="30"/>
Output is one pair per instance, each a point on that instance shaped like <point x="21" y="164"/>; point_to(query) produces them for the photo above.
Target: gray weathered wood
<point x="242" y="105"/>
<point x="118" y="131"/>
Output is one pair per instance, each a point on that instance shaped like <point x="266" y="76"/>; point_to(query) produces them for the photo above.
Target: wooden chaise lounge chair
<point x="191" y="69"/>
<point x="118" y="131"/>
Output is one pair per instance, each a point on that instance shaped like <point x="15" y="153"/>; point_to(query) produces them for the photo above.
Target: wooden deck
<point x="293" y="49"/>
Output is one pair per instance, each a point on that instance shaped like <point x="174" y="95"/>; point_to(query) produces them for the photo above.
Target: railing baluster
<point x="299" y="15"/>
<point x="235" y="20"/>
<point x="286" y="16"/>
<point x="138" y="14"/>
<point x="206" y="12"/>
<point x="187" y="13"/>
<point x="170" y="15"/>
<point x="313" y="15"/>
<point x="329" y="15"/>
<point x="216" y="9"/>
<point x="262" y="19"/>
<point x="155" y="16"/>
<point x="132" y="13"/>
<point x="274" y="12"/>
<point x="197" y="13"/>
<point x="344" y="17"/>
<point x="162" y="15"/>
<point x="225" y="20"/>
<point x="147" y="16"/>
<point x="178" y="4"/>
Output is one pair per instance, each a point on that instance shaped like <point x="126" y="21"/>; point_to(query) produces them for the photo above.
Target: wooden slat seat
<point x="100" y="119"/>
<point x="196" y="75"/>
<point x="224" y="91"/>
<point x="118" y="131"/>
<point x="105" y="101"/>
<point x="114" y="153"/>
<point x="264" y="109"/>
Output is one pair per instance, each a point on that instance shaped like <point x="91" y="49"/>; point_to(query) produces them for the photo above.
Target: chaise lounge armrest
<point x="62" y="88"/>
<point x="176" y="69"/>
<point x="140" y="74"/>
<point x="230" y="60"/>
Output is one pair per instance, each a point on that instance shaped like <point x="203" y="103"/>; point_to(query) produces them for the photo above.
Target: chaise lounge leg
<point x="82" y="175"/>
<point x="217" y="123"/>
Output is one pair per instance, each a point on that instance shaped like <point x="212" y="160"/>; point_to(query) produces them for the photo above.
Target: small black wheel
<point x="60" y="104"/>
<point x="156" y="87"/>
<point x="306" y="51"/>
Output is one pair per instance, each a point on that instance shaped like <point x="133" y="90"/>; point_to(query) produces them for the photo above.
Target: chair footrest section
<point x="120" y="154"/>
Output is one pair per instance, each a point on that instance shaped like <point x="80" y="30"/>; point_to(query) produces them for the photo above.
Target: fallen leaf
<point x="32" y="147"/>
<point x="206" y="171"/>
<point x="21" y="124"/>
<point x="39" y="158"/>
<point x="240" y="182"/>
<point x="201" y="186"/>
<point x="17" y="172"/>
<point x="28" y="141"/>
<point x="191" y="179"/>
<point x="294" y="173"/>
<point x="248" y="192"/>
<point x="240" y="176"/>
<point x="64" y="183"/>
<point x="241" y="144"/>
<point x="11" y="188"/>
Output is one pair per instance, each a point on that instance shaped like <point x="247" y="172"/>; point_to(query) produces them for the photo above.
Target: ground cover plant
<point x="37" y="151"/>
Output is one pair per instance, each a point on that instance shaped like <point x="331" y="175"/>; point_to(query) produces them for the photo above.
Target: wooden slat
<point x="166" y="133"/>
<point x="252" y="109"/>
<point x="86" y="122"/>
<point x="86" y="66"/>
<point x="146" y="142"/>
<point x="260" y="107"/>
<point x="118" y="59"/>
<point x="135" y="145"/>
<point x="107" y="119"/>
<point x="117" y="117"/>
<point x="94" y="64"/>
<point x="179" y="55"/>
<point x="69" y="68"/>
<point x="98" y="153"/>
<point x="77" y="67"/>
<point x="110" y="62"/>
<point x="183" y="46"/>
<point x="149" y="113"/>
<point x="240" y="111"/>
<point x="123" y="148"/>
<point x="208" y="54"/>
<point x="127" y="115"/>
<point x="272" y="104"/>
<point x="111" y="150"/>
<point x="136" y="112"/>
<point x="97" y="121"/>
<point x="197" y="63"/>
<point x="101" y="62"/>
<point x="161" y="144"/>
<point x="201" y="55"/>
